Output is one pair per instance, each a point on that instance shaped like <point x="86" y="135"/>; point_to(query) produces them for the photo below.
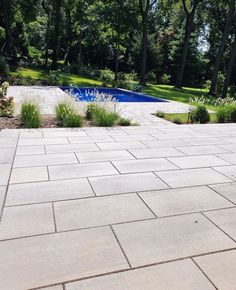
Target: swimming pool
<point x="120" y="95"/>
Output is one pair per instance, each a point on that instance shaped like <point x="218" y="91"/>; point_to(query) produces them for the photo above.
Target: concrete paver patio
<point x="131" y="208"/>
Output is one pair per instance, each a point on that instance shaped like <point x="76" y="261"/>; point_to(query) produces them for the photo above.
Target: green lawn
<point x="184" y="117"/>
<point x="161" y="91"/>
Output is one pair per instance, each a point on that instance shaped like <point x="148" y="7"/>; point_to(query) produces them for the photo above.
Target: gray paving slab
<point x="55" y="149"/>
<point x="104" y="156"/>
<point x="183" y="200"/>
<point x="155" y="153"/>
<point x="229" y="171"/>
<point x="30" y="150"/>
<point x="120" y="145"/>
<point x="160" y="240"/>
<point x="180" y="275"/>
<point x="220" y="268"/>
<point x="229" y="147"/>
<point x="192" y="177"/>
<point x="42" y="141"/>
<point x="225" y="219"/>
<point x="7" y="142"/>
<point x="59" y="287"/>
<point x="5" y="170"/>
<point x="165" y="143"/>
<point x="198" y="161"/>
<point x="231" y="158"/>
<point x="67" y="133"/>
<point x="80" y="140"/>
<point x="2" y="196"/>
<point x="126" y="183"/>
<point x="143" y="137"/>
<point x="202" y="150"/>
<point x="6" y="155"/>
<point x="47" y="191"/>
<point x="28" y="174"/>
<point x="227" y="190"/>
<point x="161" y="136"/>
<point x="100" y="211"/>
<point x="104" y="132"/>
<point x="143" y="165"/>
<point x="54" y="258"/>
<point x="44" y="160"/>
<point x="31" y="134"/>
<point x="205" y="141"/>
<point x="81" y="170"/>
<point x="21" y="221"/>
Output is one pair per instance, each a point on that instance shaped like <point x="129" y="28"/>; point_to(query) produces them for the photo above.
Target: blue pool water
<point x="87" y="94"/>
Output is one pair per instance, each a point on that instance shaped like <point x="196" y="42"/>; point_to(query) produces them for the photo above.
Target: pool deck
<point x="131" y="208"/>
<point x="48" y="97"/>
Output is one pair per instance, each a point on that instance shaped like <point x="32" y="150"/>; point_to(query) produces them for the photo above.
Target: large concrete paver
<point x="100" y="211"/>
<point x="68" y="148"/>
<point x="81" y="170"/>
<point x="155" y="153"/>
<point x="42" y="141"/>
<point x="44" y="160"/>
<point x="126" y="183"/>
<point x="46" y="191"/>
<point x="44" y="260"/>
<point x="220" y="268"/>
<point x="165" y="143"/>
<point x="29" y="174"/>
<point x="30" y="150"/>
<point x="225" y="219"/>
<point x="166" y="239"/>
<point x="89" y="139"/>
<point x="227" y="190"/>
<point x="28" y="220"/>
<point x="104" y="156"/>
<point x="192" y="177"/>
<point x="180" y="275"/>
<point x="66" y="133"/>
<point x="229" y="147"/>
<point x="197" y="161"/>
<point x="143" y="165"/>
<point x="205" y="141"/>
<point x="202" y="150"/>
<point x="59" y="287"/>
<point x="231" y="158"/>
<point x="2" y="196"/>
<point x="120" y="145"/>
<point x="5" y="170"/>
<point x="183" y="200"/>
<point x="8" y="142"/>
<point x="6" y="155"/>
<point x="229" y="171"/>
<point x="143" y="137"/>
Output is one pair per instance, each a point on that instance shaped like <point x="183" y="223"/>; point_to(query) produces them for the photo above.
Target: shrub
<point x="220" y="83"/>
<point x="54" y="77"/>
<point x="177" y="120"/>
<point x="89" y="111"/>
<point x="151" y="77"/>
<point x="124" y="122"/>
<point x="226" y="114"/>
<point x="67" y="116"/>
<point x="102" y="118"/>
<point x="6" y="103"/>
<point x="30" y="115"/>
<point x="160" y="114"/>
<point x="165" y="79"/>
<point x="200" y="115"/>
<point x="4" y="67"/>
<point x="106" y="77"/>
<point x="123" y="84"/>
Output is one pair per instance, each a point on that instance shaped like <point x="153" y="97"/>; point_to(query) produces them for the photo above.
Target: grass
<point x="65" y="78"/>
<point x="184" y="117"/>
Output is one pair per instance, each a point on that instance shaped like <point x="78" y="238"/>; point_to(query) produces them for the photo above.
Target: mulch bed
<point x="48" y="122"/>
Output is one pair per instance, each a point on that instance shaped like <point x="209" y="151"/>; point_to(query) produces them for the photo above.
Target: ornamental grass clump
<point x="103" y="118"/>
<point x="6" y="103"/>
<point x="30" y="115"/>
<point x="226" y="114"/>
<point x="67" y="116"/>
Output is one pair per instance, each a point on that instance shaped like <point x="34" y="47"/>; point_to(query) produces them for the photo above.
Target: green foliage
<point x="54" y="77"/>
<point x="67" y="116"/>
<point x="220" y="83"/>
<point x="177" y="120"/>
<point x="226" y="114"/>
<point x="90" y="109"/>
<point x="127" y="85"/>
<point x="4" y="67"/>
<point x="35" y="54"/>
<point x="106" y="77"/>
<point x="165" y="79"/>
<point x="30" y="115"/>
<point x="151" y="77"/>
<point x="199" y="115"/>
<point x="103" y="118"/>
<point x="124" y="122"/>
<point x="6" y="103"/>
<point x="160" y="114"/>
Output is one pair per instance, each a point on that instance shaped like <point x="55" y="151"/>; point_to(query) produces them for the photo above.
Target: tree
<point x="190" y="14"/>
<point x="220" y="53"/>
<point x="145" y="6"/>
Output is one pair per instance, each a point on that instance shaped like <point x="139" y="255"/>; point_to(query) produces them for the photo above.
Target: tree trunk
<point x="220" y="53"/>
<point x="9" y="41"/>
<point x="229" y="70"/>
<point x="46" y="10"/>
<point x="187" y="36"/>
<point x="116" y="62"/>
<point x="57" y="23"/>
<point x="144" y="49"/>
